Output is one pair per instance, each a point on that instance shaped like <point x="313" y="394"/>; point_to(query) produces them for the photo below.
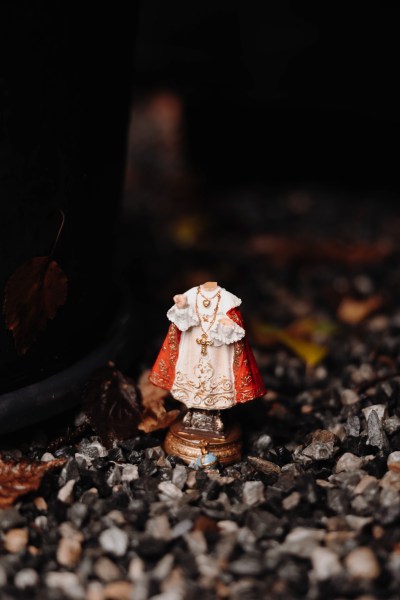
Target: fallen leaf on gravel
<point x="353" y="311"/>
<point x="19" y="478"/>
<point x="155" y="415"/>
<point x="304" y="337"/>
<point x="111" y="405"/>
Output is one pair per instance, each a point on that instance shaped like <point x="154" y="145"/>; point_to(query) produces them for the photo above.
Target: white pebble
<point x="66" y="582"/>
<point x="130" y="473"/>
<point x="179" y="476"/>
<point x="380" y="409"/>
<point x="169" y="491"/>
<point x="362" y="563"/>
<point x="325" y="563"/>
<point x="253" y="492"/>
<point x="349" y="397"/>
<point x="65" y="494"/>
<point x="26" y="578"/>
<point x="393" y="461"/>
<point x="47" y="457"/>
<point x="114" y="540"/>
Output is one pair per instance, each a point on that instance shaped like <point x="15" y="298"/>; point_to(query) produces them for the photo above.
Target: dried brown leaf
<point x="155" y="415"/>
<point x="153" y="423"/>
<point x="353" y="311"/>
<point x="111" y="405"/>
<point x="33" y="295"/>
<point x="19" y="478"/>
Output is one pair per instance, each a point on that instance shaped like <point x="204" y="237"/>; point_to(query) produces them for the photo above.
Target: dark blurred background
<point x="281" y="92"/>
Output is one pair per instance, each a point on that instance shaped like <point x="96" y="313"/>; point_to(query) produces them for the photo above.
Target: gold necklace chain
<point x="203" y="340"/>
<point x="207" y="301"/>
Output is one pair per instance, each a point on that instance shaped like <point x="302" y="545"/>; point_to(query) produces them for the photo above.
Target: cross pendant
<point x="204" y="343"/>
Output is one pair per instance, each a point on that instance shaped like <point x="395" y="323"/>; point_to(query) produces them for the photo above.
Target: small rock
<point x="349" y="462"/>
<point x="159" y="528"/>
<point x="94" y="591"/>
<point x="263" y="443"/>
<point x="163" y="567"/>
<point x="181" y="528"/>
<point x="116" y="517"/>
<point x="340" y="542"/>
<point x="353" y="426"/>
<point x="136" y="569"/>
<point x="179" y="476"/>
<point x="82" y="461"/>
<point x="318" y="451"/>
<point x="393" y="462"/>
<point x="376" y="435"/>
<point x="114" y="477"/>
<point x="227" y="527"/>
<point x="40" y="503"/>
<point x="380" y="409"/>
<point x="93" y="449"/>
<point x="41" y="521"/>
<point x="11" y="517"/>
<point x="114" y="540"/>
<point x="69" y="552"/>
<point x="106" y="569"/>
<point x="361" y="563"/>
<point x="325" y="563"/>
<point x="169" y="492"/>
<point x="324" y="436"/>
<point x="253" y="493"/>
<point x="26" y="578"/>
<point x="47" y="457"/>
<point x="77" y="513"/>
<point x="357" y="523"/>
<point x="389" y="505"/>
<point x="3" y="576"/>
<point x="69" y="471"/>
<point x="391" y="425"/>
<point x="265" y="466"/>
<point x="192" y="480"/>
<point x="66" y="582"/>
<point x="349" y="397"/>
<point x="66" y="493"/>
<point x="130" y="473"/>
<point x="15" y="540"/>
<point x="246" y="565"/>
<point x="196" y="542"/>
<point x="68" y="530"/>
<point x="391" y="479"/>
<point x="302" y="541"/>
<point x="291" y="501"/>
<point x="364" y="483"/>
<point x="118" y="590"/>
<point x="364" y="373"/>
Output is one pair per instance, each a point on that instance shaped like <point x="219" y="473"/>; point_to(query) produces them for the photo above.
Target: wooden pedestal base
<point x="188" y="446"/>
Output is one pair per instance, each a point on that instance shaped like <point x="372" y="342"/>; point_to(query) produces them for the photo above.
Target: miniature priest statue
<point x="205" y="361"/>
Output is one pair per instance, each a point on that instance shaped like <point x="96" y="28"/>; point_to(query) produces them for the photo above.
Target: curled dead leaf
<point x="155" y="415"/>
<point x="20" y="477"/>
<point x="352" y="311"/>
<point x="111" y="405"/>
<point x="33" y="295"/>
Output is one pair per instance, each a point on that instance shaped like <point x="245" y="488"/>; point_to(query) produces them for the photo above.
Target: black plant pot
<point x="65" y="91"/>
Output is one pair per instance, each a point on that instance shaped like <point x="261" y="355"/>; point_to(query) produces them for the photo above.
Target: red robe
<point x="247" y="379"/>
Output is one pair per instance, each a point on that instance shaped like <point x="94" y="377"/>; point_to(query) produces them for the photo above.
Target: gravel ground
<point x="313" y="510"/>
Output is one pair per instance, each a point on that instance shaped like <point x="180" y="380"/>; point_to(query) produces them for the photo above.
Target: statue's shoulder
<point x="230" y="299"/>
